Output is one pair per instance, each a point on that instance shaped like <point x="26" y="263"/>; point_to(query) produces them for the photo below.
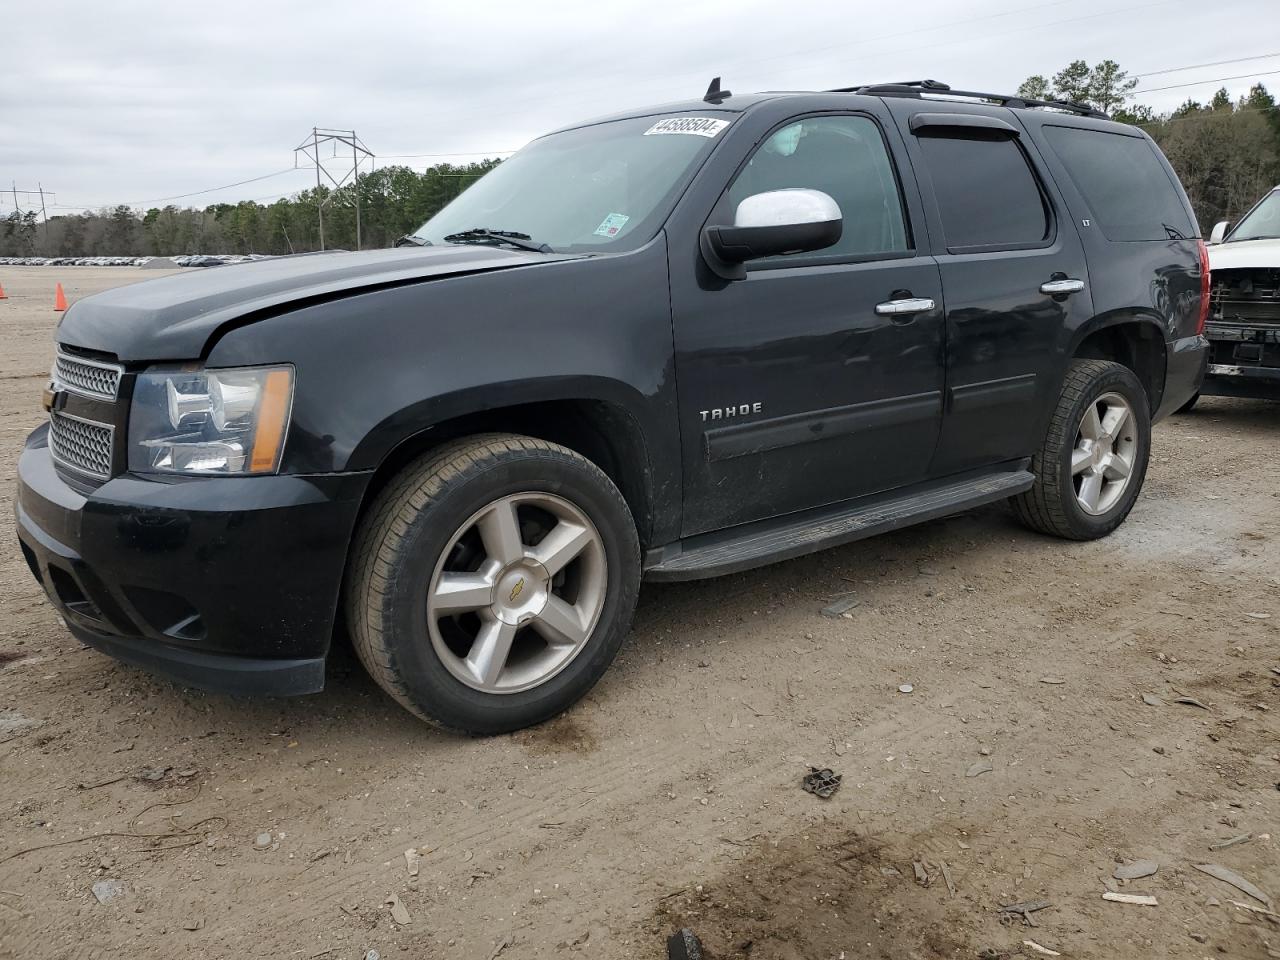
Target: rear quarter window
<point x="1128" y="190"/>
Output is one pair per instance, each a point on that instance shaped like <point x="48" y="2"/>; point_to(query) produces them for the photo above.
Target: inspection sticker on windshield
<point x="611" y="225"/>
<point x="698" y="126"/>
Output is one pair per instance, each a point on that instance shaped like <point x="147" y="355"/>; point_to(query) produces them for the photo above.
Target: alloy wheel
<point x="517" y="592"/>
<point x="1103" y="457"/>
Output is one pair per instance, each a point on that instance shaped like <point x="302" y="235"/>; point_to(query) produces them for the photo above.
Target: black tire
<point x="1187" y="407"/>
<point x="1050" y="506"/>
<point x="401" y="539"/>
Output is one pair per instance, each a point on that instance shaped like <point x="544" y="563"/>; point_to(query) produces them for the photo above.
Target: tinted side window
<point x="986" y="191"/>
<point x="844" y="157"/>
<point x="1127" y="188"/>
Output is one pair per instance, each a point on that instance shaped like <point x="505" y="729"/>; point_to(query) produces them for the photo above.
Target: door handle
<point x="1061" y="287"/>
<point x="905" y="308"/>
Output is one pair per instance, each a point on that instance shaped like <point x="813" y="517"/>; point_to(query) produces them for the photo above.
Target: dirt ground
<point x="671" y="796"/>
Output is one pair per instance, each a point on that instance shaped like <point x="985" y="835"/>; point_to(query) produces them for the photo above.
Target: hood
<point x="1244" y="254"/>
<point x="177" y="317"/>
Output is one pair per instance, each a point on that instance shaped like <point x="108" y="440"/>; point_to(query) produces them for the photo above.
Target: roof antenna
<point x="714" y="94"/>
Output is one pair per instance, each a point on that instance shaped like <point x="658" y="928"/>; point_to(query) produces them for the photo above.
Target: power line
<point x="1198" y="83"/>
<point x="1215" y="63"/>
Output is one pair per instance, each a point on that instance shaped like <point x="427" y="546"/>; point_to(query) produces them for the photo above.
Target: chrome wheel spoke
<point x="460" y="593"/>
<point x="489" y="651"/>
<point x="560" y="624"/>
<point x="500" y="532"/>
<point x="1117" y="468"/>
<point x="565" y="541"/>
<point x="1091" y="490"/>
<point x="1091" y="425"/>
<point x="1114" y="419"/>
<point x="1081" y="458"/>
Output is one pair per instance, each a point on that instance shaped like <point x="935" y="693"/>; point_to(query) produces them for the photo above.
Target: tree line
<point x="1227" y="154"/>
<point x="393" y="201"/>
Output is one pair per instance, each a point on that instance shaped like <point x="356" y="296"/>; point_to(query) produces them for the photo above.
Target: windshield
<point x="1262" y="222"/>
<point x="598" y="189"/>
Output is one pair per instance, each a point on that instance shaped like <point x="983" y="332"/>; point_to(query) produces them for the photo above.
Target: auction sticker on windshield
<point x="698" y="126"/>
<point x="612" y="224"/>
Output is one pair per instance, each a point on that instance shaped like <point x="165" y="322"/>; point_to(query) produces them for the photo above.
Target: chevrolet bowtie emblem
<point x="516" y="590"/>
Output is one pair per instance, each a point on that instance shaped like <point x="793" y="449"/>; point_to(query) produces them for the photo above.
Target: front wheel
<point x="493" y="583"/>
<point x="1090" y="468"/>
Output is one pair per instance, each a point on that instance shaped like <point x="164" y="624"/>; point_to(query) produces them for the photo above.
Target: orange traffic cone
<point x="3" y="295"/>
<point x="59" y="300"/>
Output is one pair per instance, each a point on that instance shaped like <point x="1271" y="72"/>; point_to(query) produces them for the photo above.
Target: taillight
<point x="1204" y="288"/>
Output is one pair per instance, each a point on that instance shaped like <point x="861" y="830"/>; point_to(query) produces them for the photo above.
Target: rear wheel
<point x="1090" y="468"/>
<point x="493" y="583"/>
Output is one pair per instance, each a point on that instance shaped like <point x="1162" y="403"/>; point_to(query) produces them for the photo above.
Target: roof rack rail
<point x="915" y="88"/>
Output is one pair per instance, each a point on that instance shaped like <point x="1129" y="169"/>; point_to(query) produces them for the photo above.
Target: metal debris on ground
<point x="1025" y="910"/>
<point x="684" y="945"/>
<point x="399" y="913"/>
<point x="822" y="783"/>
<point x="1139" y="899"/>
<point x="978" y="768"/>
<point x="1136" y="869"/>
<point x="946" y="878"/>
<point x="411" y="861"/>
<point x="840" y="606"/>
<point x="905" y="688"/>
<point x="1252" y="909"/>
<point x="1042" y="950"/>
<point x="1223" y="844"/>
<point x="1219" y="872"/>
<point x="107" y="890"/>
<point x="1191" y="702"/>
<point x="372" y="954"/>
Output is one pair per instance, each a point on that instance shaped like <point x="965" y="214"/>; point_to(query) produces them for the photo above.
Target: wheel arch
<point x="1132" y="340"/>
<point x="601" y="425"/>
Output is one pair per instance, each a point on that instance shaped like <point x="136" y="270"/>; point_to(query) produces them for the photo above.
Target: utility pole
<point x="310" y="148"/>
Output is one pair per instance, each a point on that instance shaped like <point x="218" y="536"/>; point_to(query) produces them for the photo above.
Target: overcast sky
<point x="132" y="102"/>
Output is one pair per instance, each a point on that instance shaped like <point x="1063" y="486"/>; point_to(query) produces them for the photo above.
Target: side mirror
<point x="1219" y="231"/>
<point x="794" y="220"/>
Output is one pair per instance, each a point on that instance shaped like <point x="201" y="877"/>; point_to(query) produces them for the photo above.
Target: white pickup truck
<point x="1244" y="305"/>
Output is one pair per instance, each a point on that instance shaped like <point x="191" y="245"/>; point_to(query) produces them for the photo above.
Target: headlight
<point x="199" y="421"/>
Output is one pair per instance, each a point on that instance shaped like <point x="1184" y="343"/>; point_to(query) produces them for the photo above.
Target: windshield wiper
<point x="411" y="240"/>
<point x="484" y="235"/>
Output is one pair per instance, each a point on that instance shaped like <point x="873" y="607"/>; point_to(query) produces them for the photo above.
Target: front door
<point x="798" y="386"/>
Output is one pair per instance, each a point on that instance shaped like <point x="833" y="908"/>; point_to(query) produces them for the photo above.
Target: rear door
<point x="1013" y="275"/>
<point x="797" y="386"/>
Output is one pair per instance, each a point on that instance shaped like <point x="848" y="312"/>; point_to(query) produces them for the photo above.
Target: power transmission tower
<point x="310" y="148"/>
<point x="27" y="194"/>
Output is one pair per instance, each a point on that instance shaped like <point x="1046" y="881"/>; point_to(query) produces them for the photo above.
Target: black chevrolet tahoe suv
<point x="674" y="343"/>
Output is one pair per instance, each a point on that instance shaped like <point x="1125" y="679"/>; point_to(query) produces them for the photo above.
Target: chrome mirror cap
<point x="792" y="206"/>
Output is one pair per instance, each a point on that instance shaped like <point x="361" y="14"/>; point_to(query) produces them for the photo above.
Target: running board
<point x="712" y="555"/>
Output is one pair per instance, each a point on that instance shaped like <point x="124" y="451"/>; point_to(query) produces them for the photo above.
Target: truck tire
<point x="492" y="582"/>
<point x="1091" y="465"/>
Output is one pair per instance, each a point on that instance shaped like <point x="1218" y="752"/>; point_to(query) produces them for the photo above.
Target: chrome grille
<point x="81" y="444"/>
<point x="90" y="377"/>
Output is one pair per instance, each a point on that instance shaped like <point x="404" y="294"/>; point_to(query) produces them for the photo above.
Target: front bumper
<point x="224" y="583"/>
<point x="1244" y="361"/>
